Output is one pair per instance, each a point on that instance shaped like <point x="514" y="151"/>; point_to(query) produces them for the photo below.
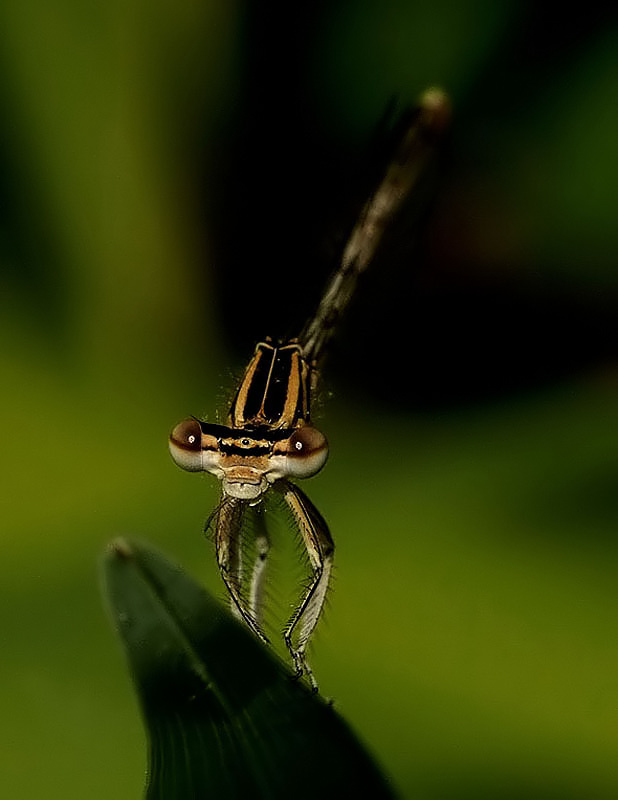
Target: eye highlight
<point x="186" y="445"/>
<point x="306" y="451"/>
<point x="187" y="434"/>
<point x="306" y="440"/>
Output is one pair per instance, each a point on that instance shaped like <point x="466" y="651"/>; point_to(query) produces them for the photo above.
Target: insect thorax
<point x="274" y="391"/>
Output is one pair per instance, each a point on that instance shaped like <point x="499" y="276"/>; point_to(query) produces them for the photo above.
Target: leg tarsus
<point x="301" y="666"/>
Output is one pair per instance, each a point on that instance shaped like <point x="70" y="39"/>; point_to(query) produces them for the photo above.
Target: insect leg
<point x="228" y="544"/>
<point x="262" y="546"/>
<point x="320" y="548"/>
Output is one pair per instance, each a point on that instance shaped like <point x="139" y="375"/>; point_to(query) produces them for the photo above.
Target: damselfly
<point x="269" y="441"/>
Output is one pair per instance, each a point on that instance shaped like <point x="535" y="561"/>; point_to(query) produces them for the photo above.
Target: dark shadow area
<point x="583" y="507"/>
<point x="30" y="257"/>
<point x="440" y="334"/>
<point x="507" y="787"/>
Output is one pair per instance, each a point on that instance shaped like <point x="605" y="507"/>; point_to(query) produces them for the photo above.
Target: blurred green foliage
<point x="470" y="636"/>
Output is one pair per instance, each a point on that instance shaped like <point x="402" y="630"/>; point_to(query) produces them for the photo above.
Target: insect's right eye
<point x="307" y="451"/>
<point x="186" y="445"/>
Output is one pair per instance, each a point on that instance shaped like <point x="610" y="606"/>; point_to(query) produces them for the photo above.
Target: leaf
<point x="224" y="716"/>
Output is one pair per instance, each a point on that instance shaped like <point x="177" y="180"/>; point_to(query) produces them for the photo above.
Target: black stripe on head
<point x="235" y="450"/>
<point x="251" y="432"/>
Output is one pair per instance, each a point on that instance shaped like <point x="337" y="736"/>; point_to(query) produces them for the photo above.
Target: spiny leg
<point x="320" y="549"/>
<point x="228" y="546"/>
<point x="262" y="546"/>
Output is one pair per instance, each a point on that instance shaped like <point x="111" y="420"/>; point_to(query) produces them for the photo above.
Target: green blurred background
<point x="167" y="175"/>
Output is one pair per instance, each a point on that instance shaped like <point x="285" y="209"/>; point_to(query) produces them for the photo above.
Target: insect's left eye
<point x="307" y="451"/>
<point x="186" y="445"/>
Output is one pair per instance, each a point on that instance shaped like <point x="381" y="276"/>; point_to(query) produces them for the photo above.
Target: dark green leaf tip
<point x="224" y="716"/>
<point x="121" y="548"/>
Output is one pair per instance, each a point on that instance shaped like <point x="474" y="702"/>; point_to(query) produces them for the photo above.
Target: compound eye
<point x="307" y="452"/>
<point x="186" y="445"/>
